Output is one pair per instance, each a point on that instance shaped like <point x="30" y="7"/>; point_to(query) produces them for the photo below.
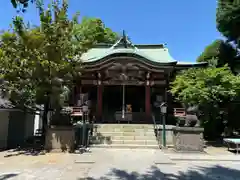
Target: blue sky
<point x="185" y="26"/>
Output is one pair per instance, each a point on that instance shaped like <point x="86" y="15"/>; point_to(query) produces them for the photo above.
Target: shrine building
<point x="124" y="82"/>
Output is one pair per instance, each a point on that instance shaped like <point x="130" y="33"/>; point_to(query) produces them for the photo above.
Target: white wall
<point x="37" y="121"/>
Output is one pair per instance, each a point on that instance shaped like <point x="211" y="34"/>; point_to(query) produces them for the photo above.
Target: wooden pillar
<point x="99" y="98"/>
<point x="147" y="99"/>
<point x="147" y="102"/>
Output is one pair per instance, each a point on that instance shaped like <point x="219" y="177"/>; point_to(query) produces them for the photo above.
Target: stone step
<point x="134" y="142"/>
<point x="125" y="146"/>
<point x="133" y="138"/>
<point x="109" y="133"/>
<point x="124" y="127"/>
<point x="124" y="137"/>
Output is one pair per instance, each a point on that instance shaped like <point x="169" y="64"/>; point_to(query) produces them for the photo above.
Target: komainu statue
<point x="191" y="117"/>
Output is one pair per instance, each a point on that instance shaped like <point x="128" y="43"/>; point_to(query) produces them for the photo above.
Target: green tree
<point x="210" y="89"/>
<point x="204" y="86"/>
<point x="216" y="86"/>
<point x="92" y="31"/>
<point x="22" y="4"/>
<point x="228" y="19"/>
<point x="218" y="54"/>
<point x="38" y="65"/>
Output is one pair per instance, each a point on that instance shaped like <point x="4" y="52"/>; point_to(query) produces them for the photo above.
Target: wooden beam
<point x="158" y="82"/>
<point x="89" y="82"/>
<point x="127" y="83"/>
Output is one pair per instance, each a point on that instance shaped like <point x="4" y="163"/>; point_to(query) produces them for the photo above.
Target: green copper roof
<point x="154" y="53"/>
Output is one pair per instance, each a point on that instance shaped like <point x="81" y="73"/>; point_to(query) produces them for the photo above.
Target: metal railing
<point x="156" y="130"/>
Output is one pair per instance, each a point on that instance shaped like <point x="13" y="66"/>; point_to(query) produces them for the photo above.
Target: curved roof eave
<point x="188" y="65"/>
<point x="130" y="53"/>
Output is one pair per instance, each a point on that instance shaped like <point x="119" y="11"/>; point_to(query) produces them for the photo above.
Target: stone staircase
<point x="124" y="136"/>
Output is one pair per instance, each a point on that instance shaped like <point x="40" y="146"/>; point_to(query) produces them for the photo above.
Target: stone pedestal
<point x="60" y="139"/>
<point x="188" y="139"/>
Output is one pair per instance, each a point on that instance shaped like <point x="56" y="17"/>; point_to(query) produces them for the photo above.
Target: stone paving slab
<point x="111" y="164"/>
<point x="202" y="157"/>
<point x="210" y="154"/>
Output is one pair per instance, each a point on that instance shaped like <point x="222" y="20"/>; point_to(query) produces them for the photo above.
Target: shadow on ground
<point x="98" y="138"/>
<point x="216" y="143"/>
<point x="24" y="151"/>
<point x="7" y="176"/>
<point x="197" y="173"/>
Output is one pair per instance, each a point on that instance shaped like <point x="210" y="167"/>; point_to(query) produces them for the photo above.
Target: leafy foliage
<point x="210" y="89"/>
<point x="40" y="63"/>
<point x="228" y="19"/>
<point x="216" y="86"/>
<point x="92" y="31"/>
<point x="22" y="4"/>
<point x="206" y="86"/>
<point x="217" y="54"/>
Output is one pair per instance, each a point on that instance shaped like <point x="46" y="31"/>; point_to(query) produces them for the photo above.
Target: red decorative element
<point x="179" y="112"/>
<point x="99" y="101"/>
<point x="77" y="111"/>
<point x="147" y="102"/>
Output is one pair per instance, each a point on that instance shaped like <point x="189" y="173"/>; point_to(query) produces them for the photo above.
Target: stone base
<point x="60" y="139"/>
<point x="188" y="139"/>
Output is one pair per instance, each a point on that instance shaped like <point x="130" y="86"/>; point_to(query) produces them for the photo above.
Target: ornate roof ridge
<point x="105" y="45"/>
<point x="123" y="41"/>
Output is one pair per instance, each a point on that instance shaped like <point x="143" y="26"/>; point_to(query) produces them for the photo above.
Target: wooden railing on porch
<point x="77" y="111"/>
<point x="179" y="112"/>
<point x="129" y="117"/>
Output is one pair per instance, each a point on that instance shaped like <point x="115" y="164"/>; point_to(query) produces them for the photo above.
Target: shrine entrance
<point x="122" y="101"/>
<point x="135" y="97"/>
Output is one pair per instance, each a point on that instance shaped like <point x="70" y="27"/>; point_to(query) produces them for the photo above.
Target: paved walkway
<point x="111" y="164"/>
